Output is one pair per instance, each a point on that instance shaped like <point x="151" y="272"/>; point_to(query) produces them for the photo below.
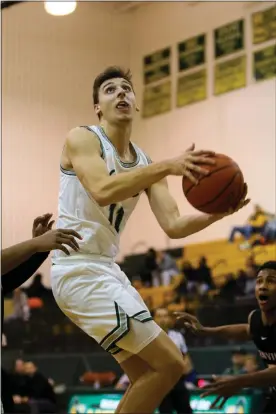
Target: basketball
<point x="219" y="191"/>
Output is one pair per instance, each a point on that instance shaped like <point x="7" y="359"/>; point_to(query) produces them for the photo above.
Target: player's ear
<point x="137" y="109"/>
<point x="97" y="109"/>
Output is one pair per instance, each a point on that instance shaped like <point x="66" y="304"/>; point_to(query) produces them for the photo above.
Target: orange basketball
<point x="219" y="191"/>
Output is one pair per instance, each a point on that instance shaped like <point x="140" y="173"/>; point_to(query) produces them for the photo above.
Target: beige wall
<point x="240" y="124"/>
<point x="48" y="67"/>
<point x="49" y="64"/>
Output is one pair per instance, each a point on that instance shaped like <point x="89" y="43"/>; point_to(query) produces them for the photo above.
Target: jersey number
<point x="116" y="216"/>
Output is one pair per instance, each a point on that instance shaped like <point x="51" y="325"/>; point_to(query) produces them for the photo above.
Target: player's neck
<point x="119" y="135"/>
<point x="269" y="318"/>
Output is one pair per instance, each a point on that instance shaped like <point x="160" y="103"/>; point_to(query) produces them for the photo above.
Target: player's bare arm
<point x="44" y="239"/>
<point x="239" y="332"/>
<point x="84" y="152"/>
<point x="166" y="211"/>
<point x="225" y="387"/>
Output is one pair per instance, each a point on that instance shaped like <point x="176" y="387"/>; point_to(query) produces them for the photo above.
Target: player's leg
<point x="167" y="366"/>
<point x="134" y="367"/>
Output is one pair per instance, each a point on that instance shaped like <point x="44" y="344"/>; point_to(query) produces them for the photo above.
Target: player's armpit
<point x="165" y="209"/>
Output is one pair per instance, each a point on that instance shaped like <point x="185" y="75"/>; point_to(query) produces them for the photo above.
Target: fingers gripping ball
<point x="219" y="191"/>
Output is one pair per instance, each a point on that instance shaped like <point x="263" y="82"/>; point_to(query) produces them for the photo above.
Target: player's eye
<point x="127" y="88"/>
<point x="110" y="89"/>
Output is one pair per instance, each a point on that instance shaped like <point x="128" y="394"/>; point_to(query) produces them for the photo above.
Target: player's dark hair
<point x="109" y="73"/>
<point x="268" y="265"/>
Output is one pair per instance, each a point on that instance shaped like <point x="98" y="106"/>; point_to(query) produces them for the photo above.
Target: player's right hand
<point x="57" y="240"/>
<point x="190" y="322"/>
<point x="187" y="163"/>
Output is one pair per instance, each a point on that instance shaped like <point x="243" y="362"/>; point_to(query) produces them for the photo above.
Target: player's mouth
<point x="263" y="299"/>
<point x="123" y="106"/>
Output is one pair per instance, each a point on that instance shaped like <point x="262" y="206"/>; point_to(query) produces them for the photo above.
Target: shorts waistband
<point x="76" y="259"/>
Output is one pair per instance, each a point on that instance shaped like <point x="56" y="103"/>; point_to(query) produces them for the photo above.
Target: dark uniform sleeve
<point x="23" y="272"/>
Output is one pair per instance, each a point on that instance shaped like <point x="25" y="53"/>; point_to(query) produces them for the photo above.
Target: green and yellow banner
<point x="264" y="25"/>
<point x="191" y="88"/>
<point x="229" y="39"/>
<point x="157" y="99"/>
<point x="264" y="66"/>
<point x="191" y="52"/>
<point x="230" y="75"/>
<point x="157" y="66"/>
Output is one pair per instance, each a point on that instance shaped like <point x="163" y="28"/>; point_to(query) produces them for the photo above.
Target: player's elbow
<point x="101" y="198"/>
<point x="171" y="232"/>
<point x="102" y="195"/>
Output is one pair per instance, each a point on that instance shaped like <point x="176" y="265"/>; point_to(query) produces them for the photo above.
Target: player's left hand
<point x="42" y="224"/>
<point x="224" y="387"/>
<point x="243" y="203"/>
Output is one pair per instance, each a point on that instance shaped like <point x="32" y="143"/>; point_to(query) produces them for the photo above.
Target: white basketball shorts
<point x="99" y="298"/>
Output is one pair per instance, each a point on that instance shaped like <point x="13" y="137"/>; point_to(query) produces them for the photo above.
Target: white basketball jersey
<point x="100" y="227"/>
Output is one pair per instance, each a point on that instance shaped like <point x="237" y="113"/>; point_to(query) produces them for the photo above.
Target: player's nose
<point x="121" y="93"/>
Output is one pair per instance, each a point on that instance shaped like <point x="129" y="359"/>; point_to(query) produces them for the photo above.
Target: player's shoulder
<point x="82" y="137"/>
<point x="254" y="320"/>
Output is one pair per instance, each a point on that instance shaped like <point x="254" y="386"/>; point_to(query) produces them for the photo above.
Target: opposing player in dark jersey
<point x="261" y="329"/>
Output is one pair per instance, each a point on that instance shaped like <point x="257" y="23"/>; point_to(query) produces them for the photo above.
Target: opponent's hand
<point x="187" y="164"/>
<point x="224" y="387"/>
<point x="56" y="240"/>
<point x="190" y="322"/>
<point x="243" y="203"/>
<point x="42" y="224"/>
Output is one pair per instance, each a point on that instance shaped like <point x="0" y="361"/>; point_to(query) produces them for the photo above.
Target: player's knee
<point x="172" y="369"/>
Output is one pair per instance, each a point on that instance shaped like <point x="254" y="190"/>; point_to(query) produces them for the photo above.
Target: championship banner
<point x="157" y="66"/>
<point x="265" y="63"/>
<point x="230" y="75"/>
<point x="229" y="39"/>
<point x="191" y="53"/>
<point x="192" y="88"/>
<point x="264" y="25"/>
<point x="157" y="99"/>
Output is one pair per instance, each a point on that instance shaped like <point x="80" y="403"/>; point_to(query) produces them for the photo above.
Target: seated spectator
<point x="230" y="289"/>
<point x="251" y="364"/>
<point x="150" y="272"/>
<point x="238" y="360"/>
<point x="254" y="225"/>
<point x="19" y="384"/>
<point x="190" y="274"/>
<point x="21" y="309"/>
<point x="268" y="235"/>
<point x="167" y="267"/>
<point x="40" y="391"/>
<point x="241" y="280"/>
<point x="204" y="276"/>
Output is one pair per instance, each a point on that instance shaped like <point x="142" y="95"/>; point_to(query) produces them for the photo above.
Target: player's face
<point x="266" y="289"/>
<point x="116" y="101"/>
<point x="162" y="318"/>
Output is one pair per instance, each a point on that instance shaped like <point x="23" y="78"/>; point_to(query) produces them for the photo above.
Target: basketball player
<point x="102" y="176"/>
<point x="261" y="328"/>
